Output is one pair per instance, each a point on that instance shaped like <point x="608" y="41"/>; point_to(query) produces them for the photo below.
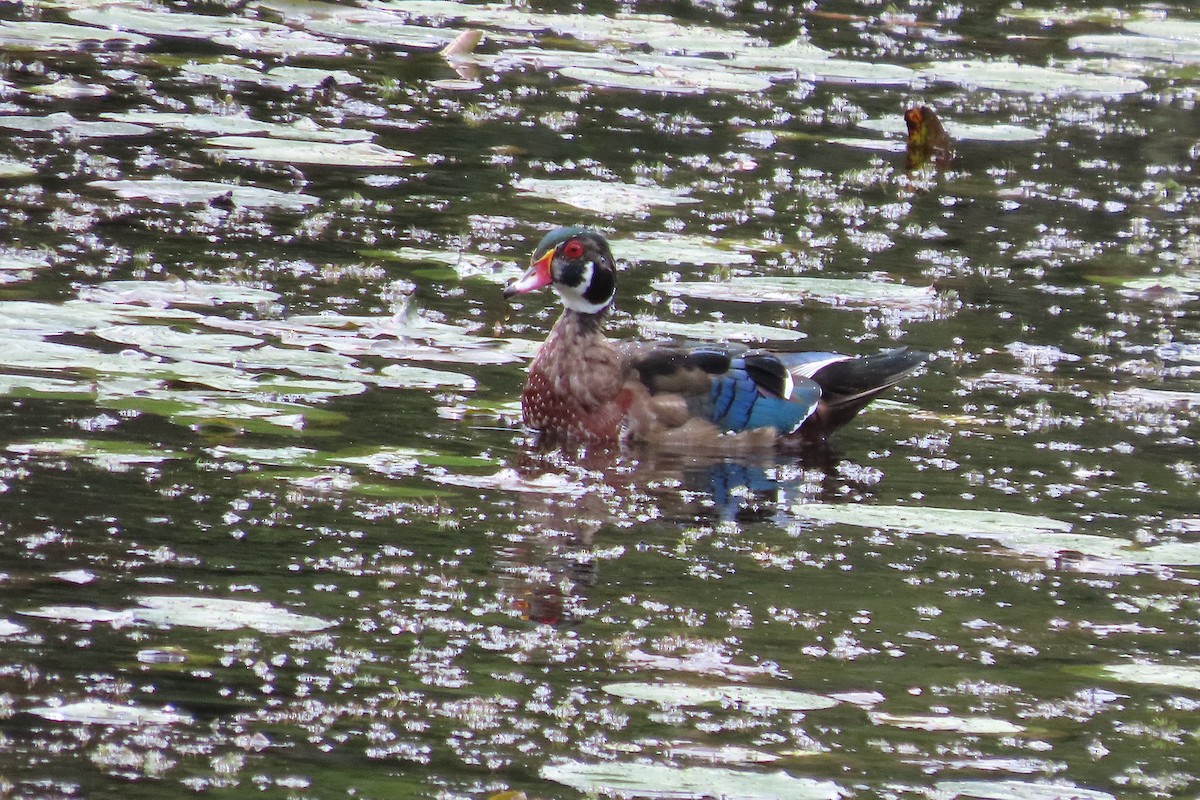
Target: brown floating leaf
<point x="464" y="44"/>
<point x="928" y="142"/>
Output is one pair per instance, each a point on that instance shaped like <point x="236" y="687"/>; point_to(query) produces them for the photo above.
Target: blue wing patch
<point x="740" y="403"/>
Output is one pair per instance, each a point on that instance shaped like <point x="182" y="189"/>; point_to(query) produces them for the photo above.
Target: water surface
<point x="271" y="526"/>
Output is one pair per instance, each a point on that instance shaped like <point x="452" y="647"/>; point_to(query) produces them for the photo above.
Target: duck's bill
<point x="537" y="276"/>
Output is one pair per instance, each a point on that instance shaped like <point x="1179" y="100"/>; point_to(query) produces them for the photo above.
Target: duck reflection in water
<point x="600" y="498"/>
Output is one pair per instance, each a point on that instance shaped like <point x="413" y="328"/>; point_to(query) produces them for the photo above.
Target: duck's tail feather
<point x="848" y="384"/>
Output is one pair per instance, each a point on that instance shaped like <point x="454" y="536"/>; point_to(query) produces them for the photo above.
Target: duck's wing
<point x="735" y="389"/>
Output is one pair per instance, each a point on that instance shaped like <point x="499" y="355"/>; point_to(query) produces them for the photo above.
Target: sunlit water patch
<point x="1016" y="77"/>
<point x="634" y="779"/>
<point x="679" y="694"/>
<point x="167" y="190"/>
<point x="1019" y="790"/>
<point x="226" y="125"/>
<point x="335" y="154"/>
<point x="65" y="123"/>
<point x="52" y="36"/>
<point x="196" y="612"/>
<point x="601" y="197"/>
<point x="237" y="33"/>
<point x="288" y="78"/>
<point x="98" y="712"/>
<point x="908" y="301"/>
<point x="960" y="131"/>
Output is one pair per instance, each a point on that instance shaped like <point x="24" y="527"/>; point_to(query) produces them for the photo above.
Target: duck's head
<point x="577" y="263"/>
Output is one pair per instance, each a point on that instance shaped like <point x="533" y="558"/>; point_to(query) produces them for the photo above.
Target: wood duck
<point x="584" y="388"/>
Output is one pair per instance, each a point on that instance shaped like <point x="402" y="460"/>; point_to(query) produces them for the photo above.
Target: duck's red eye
<point x="573" y="249"/>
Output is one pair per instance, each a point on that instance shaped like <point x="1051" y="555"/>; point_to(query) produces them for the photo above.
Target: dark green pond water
<point x="270" y="527"/>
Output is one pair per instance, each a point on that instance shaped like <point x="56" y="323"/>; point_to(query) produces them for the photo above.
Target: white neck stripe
<point x="574" y="301"/>
<point x="572" y="296"/>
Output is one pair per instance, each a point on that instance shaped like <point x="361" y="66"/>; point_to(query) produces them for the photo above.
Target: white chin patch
<point x="573" y="300"/>
<point x="572" y="296"/>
